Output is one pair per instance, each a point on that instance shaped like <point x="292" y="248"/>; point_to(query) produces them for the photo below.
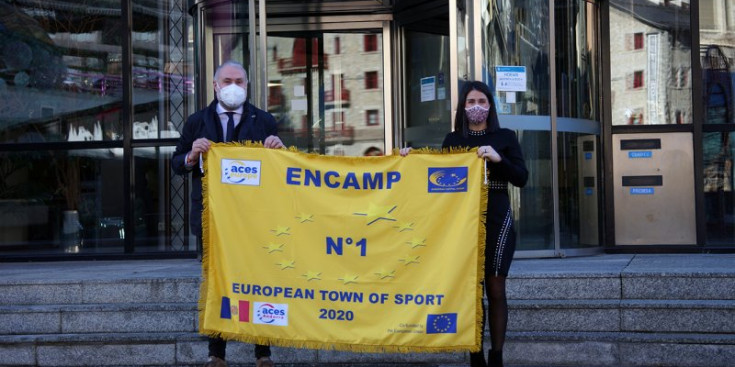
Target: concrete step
<point x="178" y="349"/>
<point x="522" y="349"/>
<point x="664" y="276"/>
<point x="61" y="291"/>
<point x="651" y="316"/>
<point x="521" y="286"/>
<point x="619" y="310"/>
<point x="525" y="315"/>
<point x="620" y="349"/>
<point x="98" y="318"/>
<point x="627" y="285"/>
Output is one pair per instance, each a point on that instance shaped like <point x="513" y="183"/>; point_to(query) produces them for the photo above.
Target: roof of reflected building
<point x="655" y="14"/>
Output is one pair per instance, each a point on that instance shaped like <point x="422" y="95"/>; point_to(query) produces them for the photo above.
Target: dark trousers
<point x="217" y="348"/>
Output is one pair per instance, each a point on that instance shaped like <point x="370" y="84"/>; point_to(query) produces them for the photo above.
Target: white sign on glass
<point x="510" y="78"/>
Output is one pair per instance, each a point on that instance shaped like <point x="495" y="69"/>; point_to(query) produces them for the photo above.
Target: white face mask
<point x="232" y="96"/>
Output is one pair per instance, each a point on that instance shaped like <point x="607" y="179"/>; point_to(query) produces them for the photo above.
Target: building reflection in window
<point x="717" y="55"/>
<point x="650" y="62"/>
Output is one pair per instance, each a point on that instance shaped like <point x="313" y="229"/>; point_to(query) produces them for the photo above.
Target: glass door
<point x="426" y="75"/>
<point x="326" y="90"/>
<point x="227" y="32"/>
<point x="321" y="77"/>
<point x="553" y="48"/>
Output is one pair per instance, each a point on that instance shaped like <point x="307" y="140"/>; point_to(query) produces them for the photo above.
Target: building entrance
<point x="323" y="77"/>
<point x="363" y="77"/>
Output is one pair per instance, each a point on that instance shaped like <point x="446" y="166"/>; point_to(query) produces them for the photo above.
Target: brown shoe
<point x="264" y="362"/>
<point x="215" y="362"/>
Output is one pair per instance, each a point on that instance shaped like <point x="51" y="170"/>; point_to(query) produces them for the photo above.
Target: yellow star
<point x="347" y="279"/>
<point x="382" y="274"/>
<point x="312" y="275"/>
<point x="273" y="247"/>
<point x="417" y="243"/>
<point x="281" y="230"/>
<point x="286" y="264"/>
<point x="375" y="213"/>
<point x="303" y="217"/>
<point x="409" y="260"/>
<point x="408" y="226"/>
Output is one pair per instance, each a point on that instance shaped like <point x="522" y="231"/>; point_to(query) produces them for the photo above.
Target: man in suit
<point x="228" y="118"/>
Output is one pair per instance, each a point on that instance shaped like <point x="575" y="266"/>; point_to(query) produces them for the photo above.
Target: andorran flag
<point x="372" y="254"/>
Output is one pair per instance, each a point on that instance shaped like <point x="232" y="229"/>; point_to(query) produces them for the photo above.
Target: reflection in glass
<point x="577" y="57"/>
<point x="517" y="34"/>
<point x="163" y="98"/>
<point x="577" y="84"/>
<point x="532" y="205"/>
<point x="326" y="92"/>
<point x="578" y="190"/>
<point x="717" y="28"/>
<point x="163" y="86"/>
<point x="152" y="208"/>
<point x="425" y="74"/>
<point x="61" y="76"/>
<point x="61" y="201"/>
<point x="717" y="55"/>
<point x="428" y="110"/>
<point x="226" y="31"/>
<point x="718" y="196"/>
<point x="650" y="63"/>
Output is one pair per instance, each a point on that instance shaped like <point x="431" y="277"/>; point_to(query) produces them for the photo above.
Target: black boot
<point x="495" y="358"/>
<point x="477" y="359"/>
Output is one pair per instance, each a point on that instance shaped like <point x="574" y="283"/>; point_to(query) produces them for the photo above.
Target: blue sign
<point x="587" y="155"/>
<point x="642" y="154"/>
<point x="641" y="190"/>
<point x="588" y="191"/>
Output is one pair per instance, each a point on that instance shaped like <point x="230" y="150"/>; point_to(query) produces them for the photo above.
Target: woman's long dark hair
<point x="461" y="124"/>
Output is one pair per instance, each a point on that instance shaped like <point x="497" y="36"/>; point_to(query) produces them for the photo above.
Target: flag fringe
<point x="481" y="236"/>
<point x="358" y="348"/>
<point x="202" y="304"/>
<point x="427" y="150"/>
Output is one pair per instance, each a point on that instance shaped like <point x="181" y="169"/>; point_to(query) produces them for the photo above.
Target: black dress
<point x="500" y="242"/>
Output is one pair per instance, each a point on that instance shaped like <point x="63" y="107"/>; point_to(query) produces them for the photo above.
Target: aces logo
<point x="239" y="172"/>
<point x="271" y="313"/>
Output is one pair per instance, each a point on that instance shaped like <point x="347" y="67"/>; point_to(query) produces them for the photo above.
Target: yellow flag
<point x="375" y="254"/>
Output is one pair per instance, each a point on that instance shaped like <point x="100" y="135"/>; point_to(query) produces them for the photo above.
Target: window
<point x="638" y="41"/>
<point x="275" y="96"/>
<point x="338" y="117"/>
<point x="371" y="117"/>
<point x="682" y="77"/>
<point x="679" y="117"/>
<point x="634" y="80"/>
<point x="337" y="46"/>
<point x="371" y="80"/>
<point x="371" y="42"/>
<point x="638" y="79"/>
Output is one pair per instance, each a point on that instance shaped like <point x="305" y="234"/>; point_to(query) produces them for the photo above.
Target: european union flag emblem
<point x="444" y="323"/>
<point x="447" y="179"/>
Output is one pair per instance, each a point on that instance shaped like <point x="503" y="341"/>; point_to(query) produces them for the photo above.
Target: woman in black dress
<point x="476" y="125"/>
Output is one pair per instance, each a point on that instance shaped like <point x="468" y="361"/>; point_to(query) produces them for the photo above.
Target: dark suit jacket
<point x="255" y="125"/>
